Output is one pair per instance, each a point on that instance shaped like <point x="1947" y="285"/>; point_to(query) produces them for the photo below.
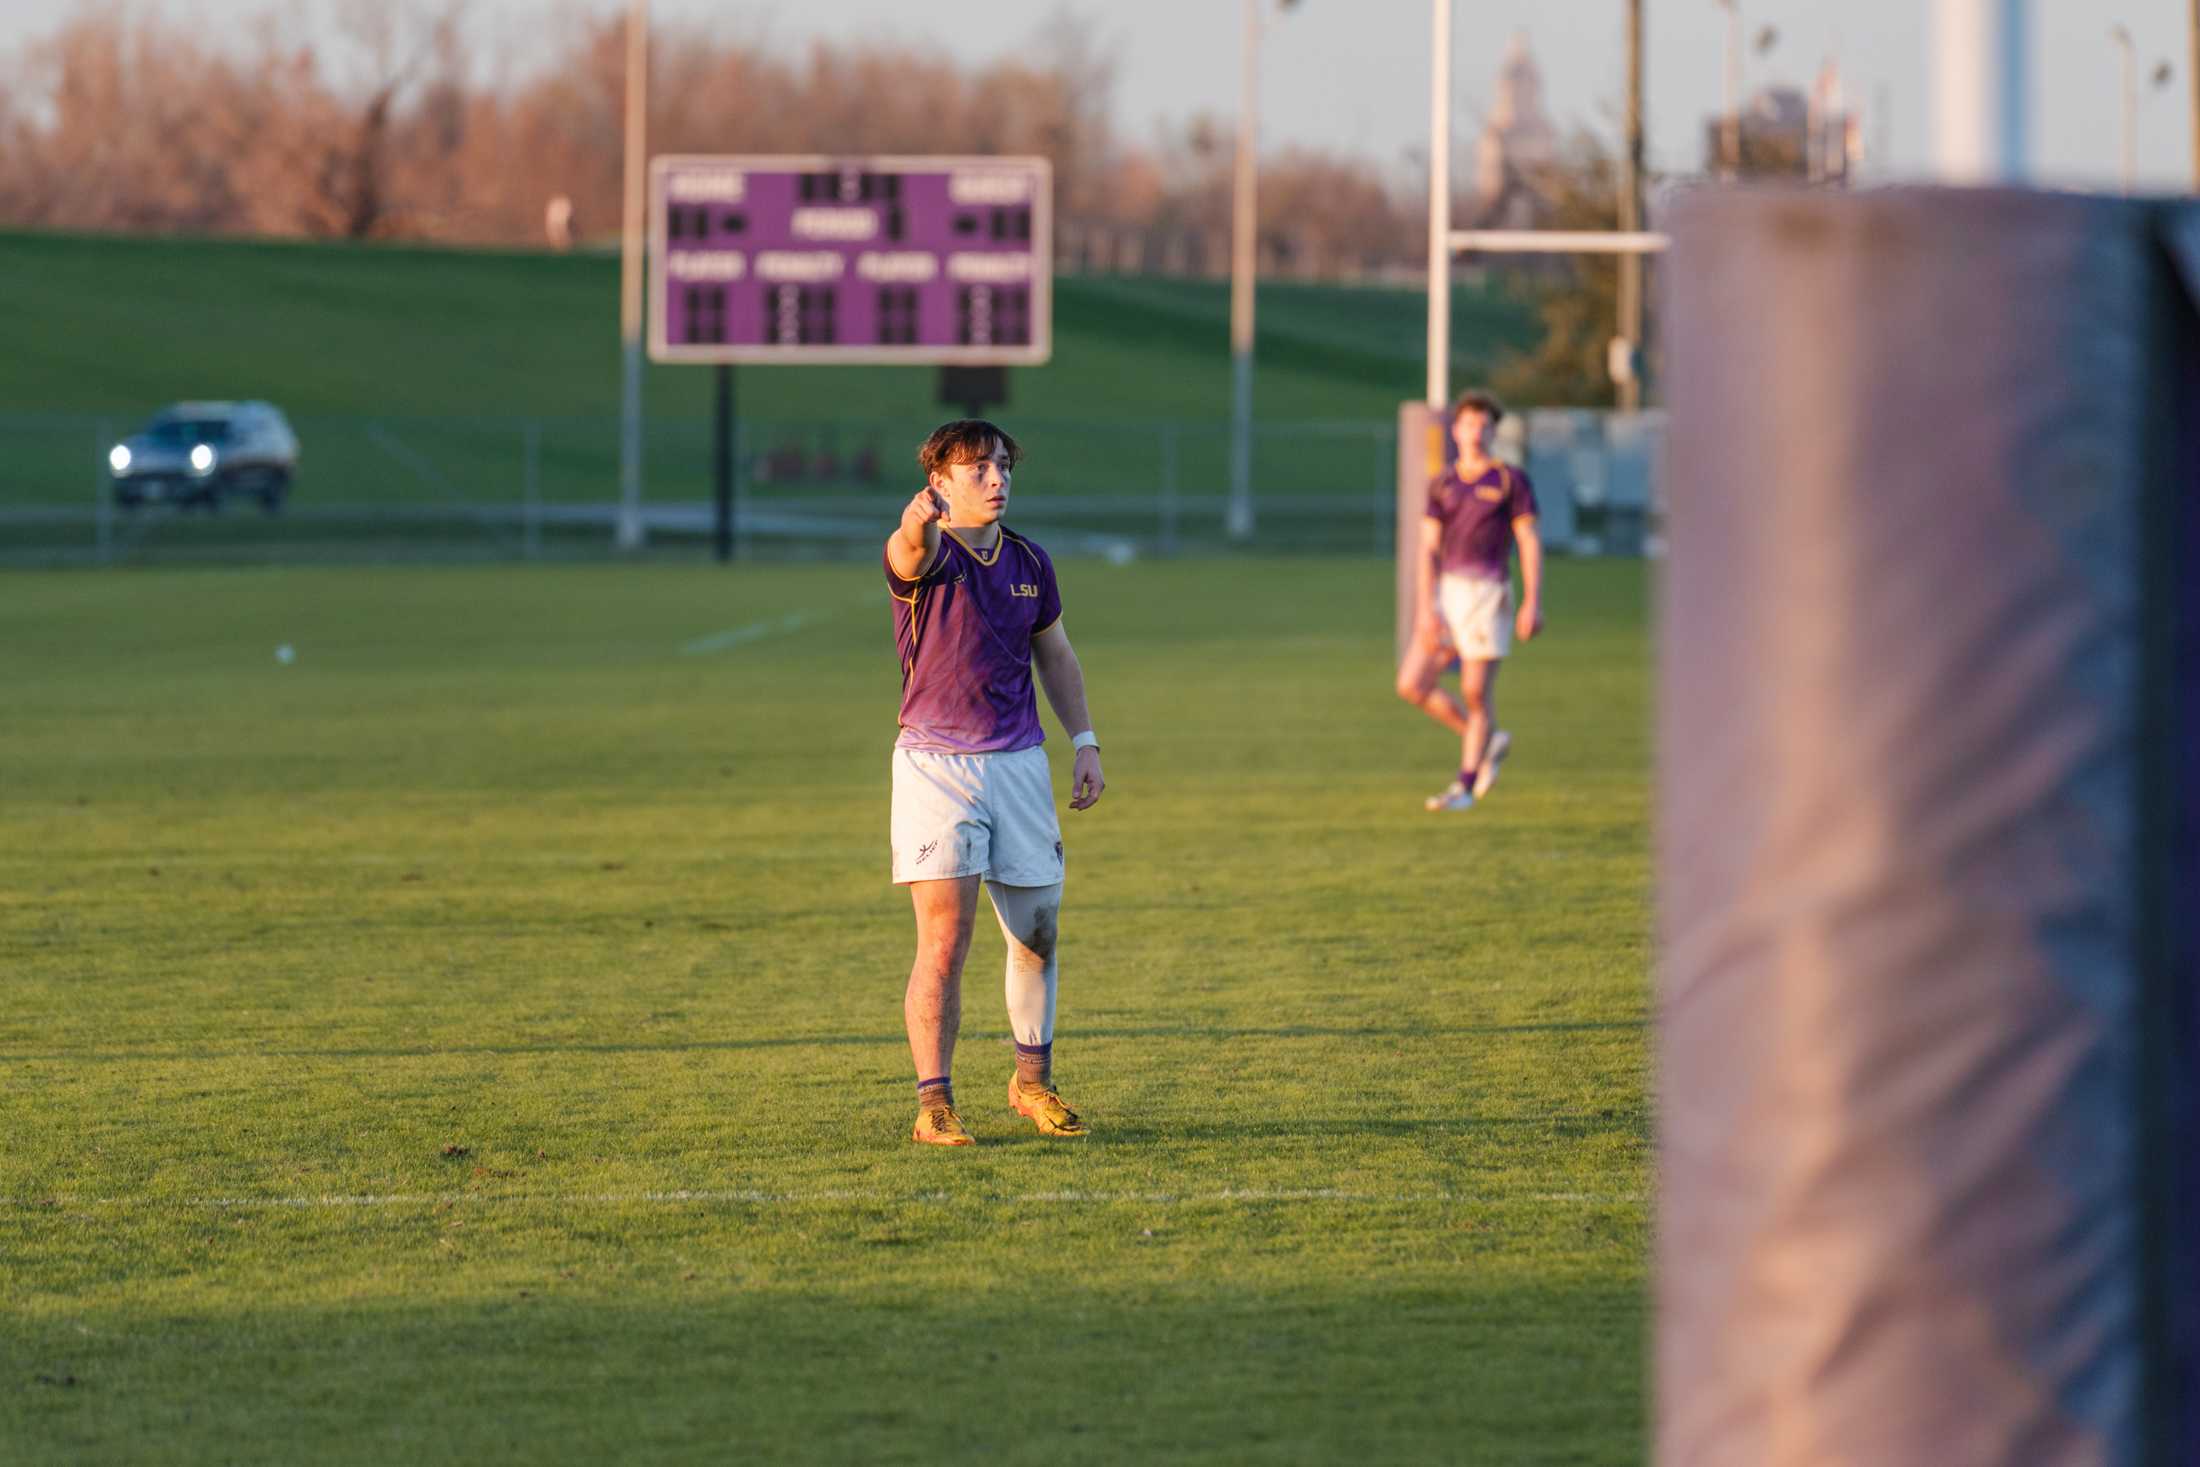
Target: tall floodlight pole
<point x="1730" y="131"/>
<point x="1439" y="204"/>
<point x="1630" y="215"/>
<point x="1244" y="260"/>
<point x="2192" y="84"/>
<point x="2127" y="153"/>
<point x="1814" y="128"/>
<point x="630" y="276"/>
<point x="1981" y="68"/>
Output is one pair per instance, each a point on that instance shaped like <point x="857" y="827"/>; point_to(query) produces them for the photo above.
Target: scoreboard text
<point x="908" y="260"/>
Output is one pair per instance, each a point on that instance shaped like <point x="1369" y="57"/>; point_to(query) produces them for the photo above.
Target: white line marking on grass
<point x="756" y="1197"/>
<point x="757" y="631"/>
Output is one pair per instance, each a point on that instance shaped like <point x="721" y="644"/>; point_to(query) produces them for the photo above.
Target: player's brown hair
<point x="964" y="441"/>
<point x="1478" y="401"/>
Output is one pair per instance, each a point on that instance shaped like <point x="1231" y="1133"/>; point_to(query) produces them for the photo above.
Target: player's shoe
<point x="1453" y="796"/>
<point x="1046" y="1111"/>
<point x="942" y="1125"/>
<point x="1501" y="744"/>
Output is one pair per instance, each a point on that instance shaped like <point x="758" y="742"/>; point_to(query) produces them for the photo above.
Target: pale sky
<point x="1352" y="75"/>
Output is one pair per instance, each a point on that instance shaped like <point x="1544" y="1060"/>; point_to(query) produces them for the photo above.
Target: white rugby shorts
<point x="1478" y="614"/>
<point x="989" y="815"/>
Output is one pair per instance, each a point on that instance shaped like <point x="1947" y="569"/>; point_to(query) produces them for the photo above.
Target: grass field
<point x="479" y="1040"/>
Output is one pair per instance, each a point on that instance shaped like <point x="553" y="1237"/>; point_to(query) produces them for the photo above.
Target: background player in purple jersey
<point x="976" y="611"/>
<point x="1477" y="511"/>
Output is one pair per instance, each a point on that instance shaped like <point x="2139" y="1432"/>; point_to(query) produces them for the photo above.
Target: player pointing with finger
<point x="976" y="612"/>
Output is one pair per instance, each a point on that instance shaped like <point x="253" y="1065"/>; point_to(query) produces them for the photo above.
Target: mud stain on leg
<point x="1042" y="938"/>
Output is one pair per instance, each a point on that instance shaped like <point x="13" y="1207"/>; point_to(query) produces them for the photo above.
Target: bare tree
<point x="381" y="125"/>
<point x="400" y="48"/>
<point x="1577" y="300"/>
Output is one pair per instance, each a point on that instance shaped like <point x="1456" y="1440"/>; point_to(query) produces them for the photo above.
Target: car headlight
<point x="202" y="459"/>
<point x="118" y="458"/>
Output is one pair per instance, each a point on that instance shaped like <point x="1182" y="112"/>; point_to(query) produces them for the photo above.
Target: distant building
<point x="1515" y="166"/>
<point x="1518" y="145"/>
<point x="1789" y="133"/>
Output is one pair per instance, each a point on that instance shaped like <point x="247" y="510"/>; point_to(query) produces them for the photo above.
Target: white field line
<point x="748" y="1197"/>
<point x="757" y="631"/>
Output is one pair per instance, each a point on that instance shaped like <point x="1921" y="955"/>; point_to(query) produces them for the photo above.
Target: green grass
<point x="574" y="956"/>
<point x="445" y="351"/>
<point x="125" y="324"/>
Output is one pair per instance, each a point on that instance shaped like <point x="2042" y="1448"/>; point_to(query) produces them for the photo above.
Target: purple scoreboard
<point x="917" y="261"/>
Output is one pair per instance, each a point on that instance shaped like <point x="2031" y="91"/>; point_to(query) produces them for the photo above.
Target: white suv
<point x="198" y="453"/>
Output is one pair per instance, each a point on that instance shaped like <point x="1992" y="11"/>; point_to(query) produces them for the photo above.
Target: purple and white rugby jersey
<point x="964" y="633"/>
<point x="1477" y="515"/>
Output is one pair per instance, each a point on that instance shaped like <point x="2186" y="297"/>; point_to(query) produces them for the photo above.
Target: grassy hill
<point x="120" y="325"/>
<point x="427" y="380"/>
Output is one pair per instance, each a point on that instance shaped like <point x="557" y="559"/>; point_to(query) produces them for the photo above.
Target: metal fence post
<point x="740" y="471"/>
<point x="1385" y="499"/>
<point x="531" y="490"/>
<point x="1169" y="508"/>
<point x="103" y="505"/>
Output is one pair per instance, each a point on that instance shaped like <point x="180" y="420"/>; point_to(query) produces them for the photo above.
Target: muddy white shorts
<point x="988" y="815"/>
<point x="1478" y="614"/>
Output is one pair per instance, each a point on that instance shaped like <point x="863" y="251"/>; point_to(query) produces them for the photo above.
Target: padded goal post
<point x="1928" y="996"/>
<point x="1423" y="453"/>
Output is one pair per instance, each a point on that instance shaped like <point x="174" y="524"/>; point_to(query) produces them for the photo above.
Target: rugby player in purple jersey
<point x="976" y="611"/>
<point x="1477" y="511"/>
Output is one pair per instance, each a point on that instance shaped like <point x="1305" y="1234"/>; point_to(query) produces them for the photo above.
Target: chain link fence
<point x="1597" y="479"/>
<point x="475" y="489"/>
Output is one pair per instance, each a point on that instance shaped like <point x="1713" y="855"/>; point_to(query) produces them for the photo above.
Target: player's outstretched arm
<point x="913" y="546"/>
<point x="1529" y="619"/>
<point x="1064" y="680"/>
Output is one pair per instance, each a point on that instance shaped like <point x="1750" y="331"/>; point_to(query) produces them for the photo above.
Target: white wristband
<point x="1086" y="740"/>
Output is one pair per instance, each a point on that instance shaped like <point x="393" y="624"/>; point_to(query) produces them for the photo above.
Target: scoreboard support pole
<point x="722" y="459"/>
<point x="973" y="389"/>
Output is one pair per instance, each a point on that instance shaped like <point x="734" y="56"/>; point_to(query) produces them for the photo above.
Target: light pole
<point x="629" y="534"/>
<point x="1630" y="217"/>
<point x="2192" y="83"/>
<point x="1982" y="60"/>
<point x="2128" y="153"/>
<point x="1244" y="265"/>
<point x="1439" y="204"/>
<point x="1731" y="140"/>
<point x="2128" y="55"/>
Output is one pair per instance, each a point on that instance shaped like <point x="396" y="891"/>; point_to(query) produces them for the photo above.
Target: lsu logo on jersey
<point x="1023" y="588"/>
<point x="1489" y="494"/>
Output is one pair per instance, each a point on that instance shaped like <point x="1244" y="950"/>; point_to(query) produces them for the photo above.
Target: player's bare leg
<point x="932" y="1005"/>
<point x="1478" y="692"/>
<point x="1478" y="689"/>
<point x="1030" y="918"/>
<point x="1420" y="682"/>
